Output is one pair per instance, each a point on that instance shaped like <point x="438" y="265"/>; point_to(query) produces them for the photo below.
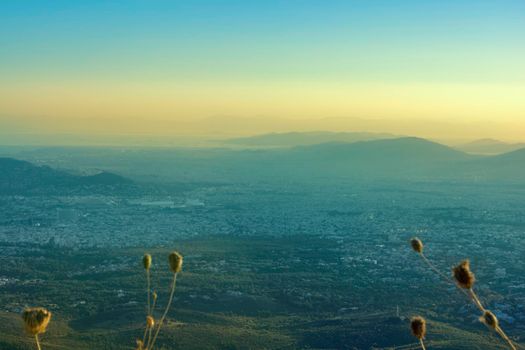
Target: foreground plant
<point x="464" y="279"/>
<point x="152" y="328"/>
<point x="36" y="321"/>
<point x="418" y="326"/>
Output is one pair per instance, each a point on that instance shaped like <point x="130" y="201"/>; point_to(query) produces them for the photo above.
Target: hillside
<point x="400" y="158"/>
<point x="292" y="139"/>
<point x="20" y="177"/>
<point x="489" y="147"/>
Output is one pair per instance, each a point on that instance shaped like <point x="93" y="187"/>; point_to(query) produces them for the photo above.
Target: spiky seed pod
<point x="418" y="325"/>
<point x="175" y="260"/>
<point x="36" y="320"/>
<point x="464" y="277"/>
<point x="146" y="260"/>
<point x="417" y="245"/>
<point x="489" y="319"/>
<point x="150" y="321"/>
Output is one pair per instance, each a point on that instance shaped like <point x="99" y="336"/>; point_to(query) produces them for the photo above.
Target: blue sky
<point x="463" y="59"/>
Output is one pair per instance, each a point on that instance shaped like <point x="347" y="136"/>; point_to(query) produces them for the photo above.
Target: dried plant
<point x="36" y="321"/>
<point x="465" y="279"/>
<point x="152" y="328"/>
<point x="418" y="325"/>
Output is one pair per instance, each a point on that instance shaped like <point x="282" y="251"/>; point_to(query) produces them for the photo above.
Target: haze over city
<point x="273" y="174"/>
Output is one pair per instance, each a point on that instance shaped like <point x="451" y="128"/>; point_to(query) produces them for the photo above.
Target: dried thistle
<point x="175" y="260"/>
<point x="150" y="321"/>
<point x="490" y="319"/>
<point x="418" y="325"/>
<point x="146" y="260"/>
<point x="463" y="276"/>
<point x="36" y="320"/>
<point x="417" y="245"/>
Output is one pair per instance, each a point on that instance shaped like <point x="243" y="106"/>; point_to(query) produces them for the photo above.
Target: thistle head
<point x="417" y="245"/>
<point x="489" y="319"/>
<point x="150" y="321"/>
<point x="418" y="325"/>
<point x="146" y="261"/>
<point x="463" y="276"/>
<point x="175" y="260"/>
<point x="36" y="320"/>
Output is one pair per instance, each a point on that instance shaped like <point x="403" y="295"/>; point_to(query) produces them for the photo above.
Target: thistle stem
<point x="498" y="329"/>
<point x="144" y="336"/>
<point x="149" y="291"/>
<point x="475" y="299"/>
<point x="441" y="274"/>
<point x="422" y="344"/>
<point x="153" y="306"/>
<point x="149" y="339"/>
<point x="505" y="337"/>
<point x="166" y="310"/>
<point x="37" y="342"/>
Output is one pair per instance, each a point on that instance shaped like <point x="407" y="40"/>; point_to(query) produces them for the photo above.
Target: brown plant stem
<point x="149" y="339"/>
<point x="505" y="337"/>
<point x="144" y="336"/>
<point x="441" y="274"/>
<point x="37" y="342"/>
<point x="149" y="291"/>
<point x="475" y="300"/>
<point x="174" y="283"/>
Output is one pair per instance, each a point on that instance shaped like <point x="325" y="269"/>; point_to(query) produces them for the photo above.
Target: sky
<point x="210" y="68"/>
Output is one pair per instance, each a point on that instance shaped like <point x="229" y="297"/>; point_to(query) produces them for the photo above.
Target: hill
<point x="21" y="177"/>
<point x="489" y="147"/>
<point x="393" y="158"/>
<point x="292" y="139"/>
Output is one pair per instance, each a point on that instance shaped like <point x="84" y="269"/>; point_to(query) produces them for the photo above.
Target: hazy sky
<point x="449" y="69"/>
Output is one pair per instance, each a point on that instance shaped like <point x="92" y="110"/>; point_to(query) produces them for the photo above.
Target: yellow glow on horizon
<point x="290" y="100"/>
<point x="130" y="108"/>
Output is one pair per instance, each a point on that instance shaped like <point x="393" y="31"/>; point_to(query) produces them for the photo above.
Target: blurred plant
<point x="152" y="328"/>
<point x="36" y="321"/>
<point x="418" y="325"/>
<point x="464" y="279"/>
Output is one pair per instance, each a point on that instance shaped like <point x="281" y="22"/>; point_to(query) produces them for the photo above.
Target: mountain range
<point x="405" y="158"/>
<point x="291" y="139"/>
<point x="18" y="176"/>
<point x="489" y="147"/>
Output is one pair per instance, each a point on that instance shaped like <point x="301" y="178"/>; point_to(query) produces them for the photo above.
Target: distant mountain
<point x="503" y="167"/>
<point x="292" y="139"/>
<point x="400" y="158"/>
<point x="19" y="177"/>
<point x="489" y="147"/>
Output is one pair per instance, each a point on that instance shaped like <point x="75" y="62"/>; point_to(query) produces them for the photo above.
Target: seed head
<point x="464" y="277"/>
<point x="489" y="319"/>
<point x="146" y="260"/>
<point x="175" y="260"/>
<point x="417" y="245"/>
<point x="140" y="345"/>
<point x="150" y="321"/>
<point x="36" y="320"/>
<point x="418" y="325"/>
